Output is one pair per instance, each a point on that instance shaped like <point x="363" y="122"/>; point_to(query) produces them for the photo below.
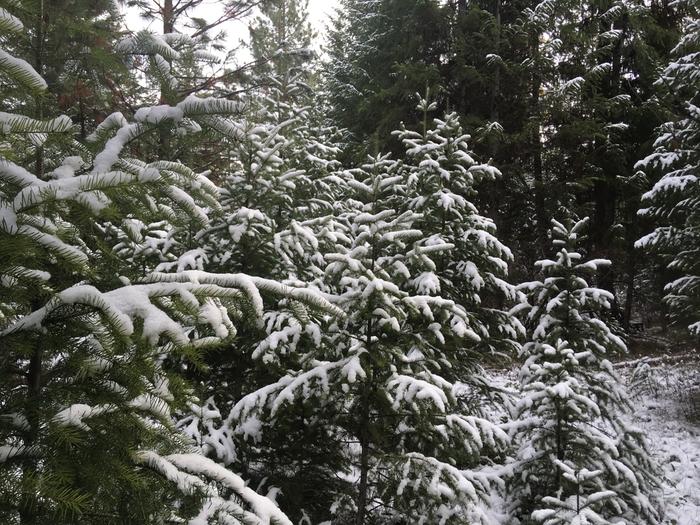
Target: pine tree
<point x="285" y="97"/>
<point x="674" y="201"/>
<point x="276" y="221"/>
<point x="279" y="155"/>
<point x="380" y="53"/>
<point x="418" y="429"/>
<point x="90" y="338"/>
<point x="442" y="177"/>
<point x="378" y="383"/>
<point x="578" y="460"/>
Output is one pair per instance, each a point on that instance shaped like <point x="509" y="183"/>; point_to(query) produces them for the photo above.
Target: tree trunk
<point x="496" y="85"/>
<point x="536" y="147"/>
<point x="168" y="17"/>
<point x="605" y="199"/>
<point x="364" y="462"/>
<point x="631" y="235"/>
<point x="605" y="191"/>
<point x="629" y="292"/>
<point x="39" y="68"/>
<point x="363" y="487"/>
<point x="28" y="514"/>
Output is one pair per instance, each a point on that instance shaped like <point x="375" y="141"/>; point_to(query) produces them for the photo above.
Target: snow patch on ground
<point x="667" y="408"/>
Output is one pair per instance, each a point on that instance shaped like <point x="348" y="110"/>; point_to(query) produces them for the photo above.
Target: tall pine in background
<point x="674" y="201"/>
<point x="380" y="52"/>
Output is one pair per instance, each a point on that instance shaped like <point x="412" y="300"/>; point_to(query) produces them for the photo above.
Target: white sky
<point x="320" y="10"/>
<point x="319" y="13"/>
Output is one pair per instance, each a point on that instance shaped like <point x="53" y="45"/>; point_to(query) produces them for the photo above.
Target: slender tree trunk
<point x="363" y="487"/>
<point x="39" y="68"/>
<point x="496" y="209"/>
<point x="81" y="115"/>
<point x="605" y="199"/>
<point x="496" y="84"/>
<point x="629" y="295"/>
<point x="28" y="514"/>
<point x="536" y="146"/>
<point x="631" y="234"/>
<point x="168" y="16"/>
<point x="28" y="511"/>
<point x="168" y="13"/>
<point x="364" y="462"/>
<point x="605" y="191"/>
<point x="364" y="434"/>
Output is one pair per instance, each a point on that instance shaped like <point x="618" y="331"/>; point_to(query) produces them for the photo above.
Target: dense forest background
<point x="275" y="280"/>
<point x="563" y="97"/>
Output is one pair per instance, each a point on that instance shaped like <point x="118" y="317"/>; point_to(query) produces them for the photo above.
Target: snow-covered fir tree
<point x="287" y="98"/>
<point x="95" y="316"/>
<point x="420" y="435"/>
<point x="282" y="158"/>
<point x="674" y="201"/>
<point x="579" y="461"/>
<point x="279" y="192"/>
<point x="261" y="231"/>
<point x="381" y="385"/>
<point x="442" y="176"/>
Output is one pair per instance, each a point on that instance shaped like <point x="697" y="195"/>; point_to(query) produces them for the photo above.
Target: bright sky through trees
<point x="319" y="10"/>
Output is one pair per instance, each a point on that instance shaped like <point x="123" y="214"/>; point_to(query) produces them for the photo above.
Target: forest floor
<point x="666" y="398"/>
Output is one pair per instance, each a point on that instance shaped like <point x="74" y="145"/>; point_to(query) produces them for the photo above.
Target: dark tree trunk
<point x="605" y="200"/>
<point x="536" y="148"/>
<point x="364" y="463"/>
<point x="631" y="234"/>
<point x="28" y="514"/>
<point x="605" y="190"/>
<point x="168" y="16"/>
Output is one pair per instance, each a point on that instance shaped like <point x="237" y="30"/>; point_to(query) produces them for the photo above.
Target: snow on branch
<point x="461" y="490"/>
<point x="20" y="71"/>
<point x="146" y="43"/>
<point x="252" y="286"/>
<point x="13" y="123"/>
<point x="121" y="307"/>
<point x="187" y="471"/>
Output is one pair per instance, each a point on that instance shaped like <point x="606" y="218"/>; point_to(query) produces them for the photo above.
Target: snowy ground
<point x="667" y="408"/>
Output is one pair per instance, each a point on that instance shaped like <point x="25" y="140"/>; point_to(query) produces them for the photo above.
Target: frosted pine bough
<point x="578" y="461"/>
